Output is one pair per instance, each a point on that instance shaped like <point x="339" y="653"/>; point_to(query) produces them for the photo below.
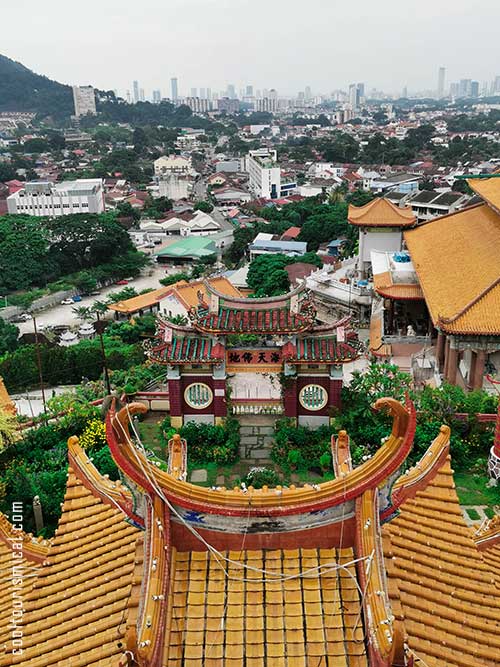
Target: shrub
<point x="207" y="442"/>
<point x="259" y="477"/>
<point x="94" y="435"/>
<point x="310" y="444"/>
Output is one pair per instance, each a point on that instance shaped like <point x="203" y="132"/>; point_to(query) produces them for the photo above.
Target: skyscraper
<point x="354" y="96"/>
<point x="194" y="92"/>
<point x="249" y="91"/>
<point x="203" y="93"/>
<point x="156" y="96"/>
<point x="142" y="95"/>
<point x="135" y="87"/>
<point x="231" y="91"/>
<point x="474" y="89"/>
<point x="441" y="78"/>
<point x="174" y="88"/>
<point x="307" y="93"/>
<point x="209" y="93"/>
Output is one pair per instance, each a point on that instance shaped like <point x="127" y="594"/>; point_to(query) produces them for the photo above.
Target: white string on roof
<point x="269" y="576"/>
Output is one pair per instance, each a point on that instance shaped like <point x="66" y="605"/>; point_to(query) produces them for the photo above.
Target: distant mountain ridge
<point x="23" y="90"/>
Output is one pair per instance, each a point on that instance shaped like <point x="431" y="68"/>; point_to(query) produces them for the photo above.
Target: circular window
<point x="198" y="395"/>
<point x="313" y="397"/>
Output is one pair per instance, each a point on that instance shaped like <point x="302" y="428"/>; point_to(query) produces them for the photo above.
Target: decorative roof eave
<point x="444" y="322"/>
<point x="386" y="637"/>
<point x="111" y="493"/>
<point x="488" y="534"/>
<point x="264" y="502"/>
<point x="34" y="549"/>
<point x="421" y="474"/>
<point x="393" y="292"/>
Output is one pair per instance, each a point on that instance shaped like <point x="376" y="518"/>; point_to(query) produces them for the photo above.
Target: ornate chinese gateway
<point x="268" y="352"/>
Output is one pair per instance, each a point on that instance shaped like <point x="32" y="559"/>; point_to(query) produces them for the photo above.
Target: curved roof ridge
<point x="245" y="300"/>
<point x="34" y="549"/>
<point x="468" y="306"/>
<point x="396" y="216"/>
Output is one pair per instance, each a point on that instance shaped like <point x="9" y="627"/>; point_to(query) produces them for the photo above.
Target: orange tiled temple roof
<point x="380" y="213"/>
<point x="385" y="286"/>
<point x="457" y="262"/>
<point x="86" y="595"/>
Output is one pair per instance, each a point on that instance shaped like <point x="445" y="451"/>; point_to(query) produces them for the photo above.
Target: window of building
<point x="198" y="395"/>
<point x="313" y="397"/>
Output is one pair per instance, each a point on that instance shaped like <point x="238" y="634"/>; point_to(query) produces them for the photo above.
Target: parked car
<point x="77" y="298"/>
<point x="66" y="302"/>
<point x="23" y="317"/>
<point x="121" y="282"/>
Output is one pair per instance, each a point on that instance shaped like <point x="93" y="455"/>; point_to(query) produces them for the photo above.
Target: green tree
<point x="204" y="206"/>
<point x="9" y="335"/>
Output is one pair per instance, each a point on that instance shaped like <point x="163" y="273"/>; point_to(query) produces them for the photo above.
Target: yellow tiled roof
<point x="457" y="261"/>
<point x="76" y="612"/>
<point x="385" y="286"/>
<point x="488" y="189"/>
<point x="220" y="621"/>
<point x="188" y="292"/>
<point x="141" y="301"/>
<point x="450" y="603"/>
<point x="380" y="213"/>
<point x="492" y="558"/>
<point x="377" y="345"/>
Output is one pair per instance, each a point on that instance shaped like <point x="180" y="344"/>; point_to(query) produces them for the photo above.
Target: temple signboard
<point x="243" y="357"/>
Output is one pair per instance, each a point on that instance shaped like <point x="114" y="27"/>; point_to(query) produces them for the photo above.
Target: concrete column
<point x="477" y="378"/>
<point x="441" y="340"/>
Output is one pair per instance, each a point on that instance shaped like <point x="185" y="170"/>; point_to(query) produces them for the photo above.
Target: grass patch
<point x="150" y="436"/>
<point x="472" y="490"/>
<point x="473" y="514"/>
<point x="490" y="513"/>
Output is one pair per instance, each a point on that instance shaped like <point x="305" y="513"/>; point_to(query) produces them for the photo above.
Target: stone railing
<point x="256" y="406"/>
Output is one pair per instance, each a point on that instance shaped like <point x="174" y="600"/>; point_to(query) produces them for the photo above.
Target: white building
<point x="173" y="164"/>
<point x="84" y="100"/>
<point x="42" y="198"/>
<point x="264" y="173"/>
<point x="175" y="186"/>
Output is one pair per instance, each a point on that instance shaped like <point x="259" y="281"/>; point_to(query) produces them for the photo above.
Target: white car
<point x="66" y="302"/>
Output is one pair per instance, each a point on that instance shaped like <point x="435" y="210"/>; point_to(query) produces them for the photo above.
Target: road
<point x="64" y="315"/>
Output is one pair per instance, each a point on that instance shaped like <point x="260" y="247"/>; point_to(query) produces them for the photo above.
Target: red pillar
<point x="335" y="396"/>
<point x="290" y="398"/>
<point x="452" y="365"/>
<point x="175" y="399"/>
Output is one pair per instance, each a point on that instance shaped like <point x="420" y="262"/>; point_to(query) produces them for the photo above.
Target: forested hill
<point x="23" y="90"/>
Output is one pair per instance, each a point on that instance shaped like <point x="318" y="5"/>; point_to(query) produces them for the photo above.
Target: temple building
<point x="457" y="262"/>
<point x="375" y="568"/>
<point x="267" y="354"/>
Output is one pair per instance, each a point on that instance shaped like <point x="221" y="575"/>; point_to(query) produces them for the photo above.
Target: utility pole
<point x="39" y="363"/>
<point x="103" y="353"/>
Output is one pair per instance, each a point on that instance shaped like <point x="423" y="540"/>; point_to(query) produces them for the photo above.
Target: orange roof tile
<point x="260" y="623"/>
<point x="76" y="611"/>
<point x="380" y="213"/>
<point x="385" y="286"/>
<point x="447" y="592"/>
<point x="141" y="301"/>
<point x="457" y="262"/>
<point x="188" y="292"/>
<point x="488" y="189"/>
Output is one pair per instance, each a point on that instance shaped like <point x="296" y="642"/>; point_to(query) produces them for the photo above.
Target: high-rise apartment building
<point x="194" y="92"/>
<point x="156" y="96"/>
<point x="354" y="96"/>
<point x="231" y="91"/>
<point x="84" y="100"/>
<point x="464" y="88"/>
<point x="135" y="88"/>
<point x="203" y="93"/>
<point x="142" y="95"/>
<point x="307" y="93"/>
<point x="209" y="93"/>
<point x="174" y="89"/>
<point x="441" y="80"/>
<point x="474" y="89"/>
<point x="249" y="91"/>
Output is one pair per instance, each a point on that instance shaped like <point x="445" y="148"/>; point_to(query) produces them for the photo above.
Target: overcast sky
<point x="282" y="44"/>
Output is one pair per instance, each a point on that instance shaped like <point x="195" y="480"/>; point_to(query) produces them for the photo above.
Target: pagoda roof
<point x="316" y="349"/>
<point x="457" y="263"/>
<point x="380" y="213"/>
<point x="279" y="320"/>
<point x="188" y="350"/>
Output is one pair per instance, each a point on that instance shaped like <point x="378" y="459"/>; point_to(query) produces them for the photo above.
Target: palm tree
<point x="83" y="313"/>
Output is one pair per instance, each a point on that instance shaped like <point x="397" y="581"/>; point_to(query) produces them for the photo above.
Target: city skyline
<point x="352" y="44"/>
